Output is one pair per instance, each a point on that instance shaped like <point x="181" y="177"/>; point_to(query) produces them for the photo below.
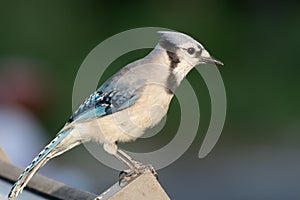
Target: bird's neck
<point x="171" y="60"/>
<point x="172" y="68"/>
<point x="158" y="55"/>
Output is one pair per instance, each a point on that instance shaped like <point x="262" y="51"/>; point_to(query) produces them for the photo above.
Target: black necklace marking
<point x="172" y="83"/>
<point x="173" y="58"/>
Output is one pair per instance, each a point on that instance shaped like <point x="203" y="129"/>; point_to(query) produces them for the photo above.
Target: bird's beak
<point x="212" y="60"/>
<point x="206" y="58"/>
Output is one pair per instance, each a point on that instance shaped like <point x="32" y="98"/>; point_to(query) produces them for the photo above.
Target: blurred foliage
<point x="257" y="40"/>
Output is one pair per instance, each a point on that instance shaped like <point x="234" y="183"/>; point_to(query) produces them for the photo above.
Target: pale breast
<point x="151" y="106"/>
<point x="131" y="123"/>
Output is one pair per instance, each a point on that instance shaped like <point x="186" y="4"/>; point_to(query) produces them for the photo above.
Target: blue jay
<point x="134" y="99"/>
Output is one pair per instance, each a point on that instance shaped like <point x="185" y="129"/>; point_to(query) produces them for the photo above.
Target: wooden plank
<point x="144" y="187"/>
<point x="43" y="185"/>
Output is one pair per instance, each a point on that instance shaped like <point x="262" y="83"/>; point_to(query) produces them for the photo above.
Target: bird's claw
<point x="140" y="168"/>
<point x="128" y="175"/>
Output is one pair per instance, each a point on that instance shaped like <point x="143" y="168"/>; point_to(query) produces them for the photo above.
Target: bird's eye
<point x="191" y="50"/>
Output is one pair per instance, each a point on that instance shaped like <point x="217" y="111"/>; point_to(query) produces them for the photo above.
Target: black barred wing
<point x="103" y="102"/>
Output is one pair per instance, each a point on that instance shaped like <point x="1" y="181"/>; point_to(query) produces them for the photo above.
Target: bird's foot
<point x="128" y="175"/>
<point x="140" y="168"/>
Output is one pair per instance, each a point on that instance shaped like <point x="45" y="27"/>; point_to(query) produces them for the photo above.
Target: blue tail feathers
<point x="47" y="153"/>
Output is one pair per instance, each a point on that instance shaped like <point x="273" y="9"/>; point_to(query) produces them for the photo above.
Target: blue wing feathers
<point x="107" y="99"/>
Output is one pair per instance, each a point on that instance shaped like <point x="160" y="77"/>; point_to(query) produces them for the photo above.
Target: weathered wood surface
<point x="143" y="187"/>
<point x="44" y="186"/>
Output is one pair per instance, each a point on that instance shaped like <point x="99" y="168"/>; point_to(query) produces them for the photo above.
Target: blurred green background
<point x="257" y="154"/>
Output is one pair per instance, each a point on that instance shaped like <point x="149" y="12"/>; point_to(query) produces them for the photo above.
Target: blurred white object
<point x="19" y="128"/>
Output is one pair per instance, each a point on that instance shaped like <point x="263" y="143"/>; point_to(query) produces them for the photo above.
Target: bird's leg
<point x="119" y="157"/>
<point x="112" y="149"/>
<point x="139" y="168"/>
<point x="135" y="163"/>
<point x="135" y="168"/>
<point x="127" y="175"/>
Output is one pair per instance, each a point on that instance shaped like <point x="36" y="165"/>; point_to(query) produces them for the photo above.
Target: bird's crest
<point x="171" y="39"/>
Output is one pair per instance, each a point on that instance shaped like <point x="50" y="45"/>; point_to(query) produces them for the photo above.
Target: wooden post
<point x="42" y="185"/>
<point x="142" y="187"/>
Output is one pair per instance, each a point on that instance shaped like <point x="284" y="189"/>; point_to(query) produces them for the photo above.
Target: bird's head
<point x="182" y="48"/>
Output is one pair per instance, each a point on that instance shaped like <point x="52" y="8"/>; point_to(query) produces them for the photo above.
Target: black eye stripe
<point x="198" y="53"/>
